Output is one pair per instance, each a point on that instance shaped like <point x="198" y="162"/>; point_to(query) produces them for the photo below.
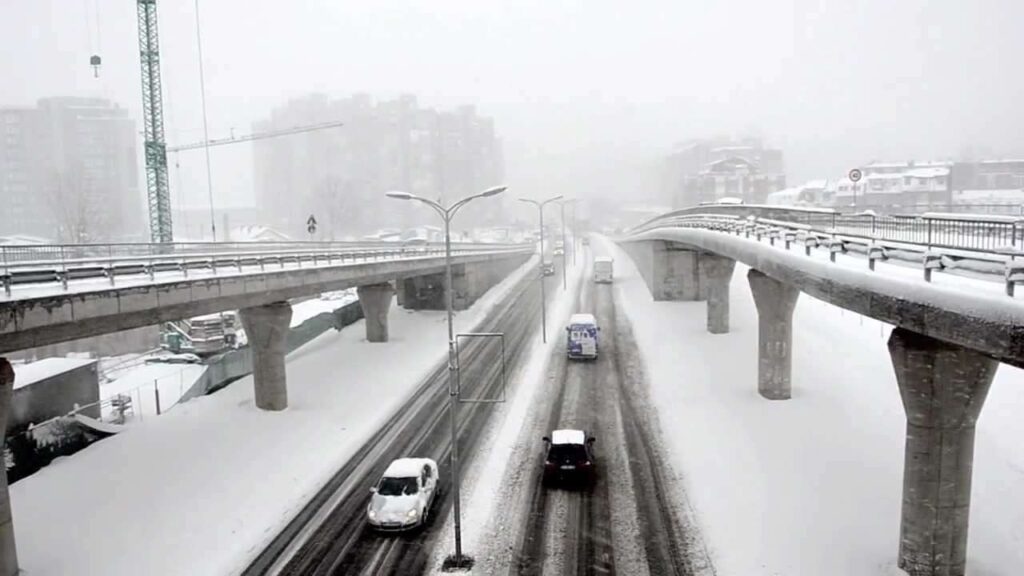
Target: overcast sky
<point x="586" y="94"/>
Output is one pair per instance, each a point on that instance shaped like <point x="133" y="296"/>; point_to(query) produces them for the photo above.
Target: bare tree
<point x="69" y="200"/>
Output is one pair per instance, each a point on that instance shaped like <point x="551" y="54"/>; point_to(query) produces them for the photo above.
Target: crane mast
<point x="157" y="193"/>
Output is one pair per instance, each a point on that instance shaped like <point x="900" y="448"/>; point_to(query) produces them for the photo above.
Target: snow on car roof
<point x="568" y="437"/>
<point x="582" y="319"/>
<point x="406" y="467"/>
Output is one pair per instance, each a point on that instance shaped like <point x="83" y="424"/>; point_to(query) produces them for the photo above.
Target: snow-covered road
<point x="811" y="485"/>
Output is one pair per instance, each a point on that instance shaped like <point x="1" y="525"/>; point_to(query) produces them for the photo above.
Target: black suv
<point x="570" y="459"/>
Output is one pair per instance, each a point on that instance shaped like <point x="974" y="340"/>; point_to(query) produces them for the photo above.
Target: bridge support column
<point x="375" y="300"/>
<point x="943" y="387"/>
<point x="717" y="272"/>
<point x="8" y="550"/>
<point x="400" y="292"/>
<point x="267" y="330"/>
<point x="775" y="303"/>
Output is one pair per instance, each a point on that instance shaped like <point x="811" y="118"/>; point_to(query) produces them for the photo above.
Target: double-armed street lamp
<point x="543" y="298"/>
<point x="446" y="214"/>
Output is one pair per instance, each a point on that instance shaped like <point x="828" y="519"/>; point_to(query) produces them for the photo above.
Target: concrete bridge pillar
<point x="676" y="273"/>
<point x="775" y="303"/>
<point x="717" y="275"/>
<point x="943" y="387"/>
<point x="8" y="550"/>
<point x="400" y="292"/>
<point x="266" y="327"/>
<point x="375" y="300"/>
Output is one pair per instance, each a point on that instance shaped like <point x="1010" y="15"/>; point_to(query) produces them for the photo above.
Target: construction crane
<point x="157" y="193"/>
<point x="255" y="136"/>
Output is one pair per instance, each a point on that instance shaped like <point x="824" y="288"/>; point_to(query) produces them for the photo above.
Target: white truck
<point x="603" y="270"/>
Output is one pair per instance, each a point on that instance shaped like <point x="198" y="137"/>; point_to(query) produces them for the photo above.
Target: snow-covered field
<point x="200" y="490"/>
<point x="811" y="485"/>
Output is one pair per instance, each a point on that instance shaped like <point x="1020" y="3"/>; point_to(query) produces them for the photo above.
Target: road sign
<point x="855" y="175"/>
<point x="311" y="225"/>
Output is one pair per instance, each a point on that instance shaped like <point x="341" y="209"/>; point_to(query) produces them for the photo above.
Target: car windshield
<point x="566" y="452"/>
<point x="397" y="486"/>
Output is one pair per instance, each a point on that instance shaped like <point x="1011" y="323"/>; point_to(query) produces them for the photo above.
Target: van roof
<point x="582" y="319"/>
<point x="603" y="259"/>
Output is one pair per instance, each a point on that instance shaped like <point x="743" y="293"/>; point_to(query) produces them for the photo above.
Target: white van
<point x="582" y="336"/>
<point x="603" y="270"/>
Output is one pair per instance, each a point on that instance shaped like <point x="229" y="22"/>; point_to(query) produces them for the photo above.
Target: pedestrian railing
<point x="989" y="243"/>
<point x="61" y="264"/>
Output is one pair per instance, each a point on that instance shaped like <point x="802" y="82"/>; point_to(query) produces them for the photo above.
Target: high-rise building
<point x="340" y="175"/>
<point x="69" y="171"/>
<point x="706" y="170"/>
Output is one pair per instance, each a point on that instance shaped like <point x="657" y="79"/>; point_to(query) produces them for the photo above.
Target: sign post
<point x="855" y="175"/>
<point x="311" y="226"/>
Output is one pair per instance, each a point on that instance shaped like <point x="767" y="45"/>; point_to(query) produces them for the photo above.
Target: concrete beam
<point x="717" y="274"/>
<point x="375" y="300"/>
<point x="943" y="387"/>
<point x="35" y="321"/>
<point x="993" y="325"/>
<point x="8" y="549"/>
<point x="266" y="328"/>
<point x="775" y="304"/>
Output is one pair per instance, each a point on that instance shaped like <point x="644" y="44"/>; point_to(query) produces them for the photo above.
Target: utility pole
<point x="543" y="296"/>
<point x="157" y="193"/>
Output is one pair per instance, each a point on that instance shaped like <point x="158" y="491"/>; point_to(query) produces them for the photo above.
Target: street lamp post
<point x="575" y="231"/>
<point x="447" y="214"/>
<point x="543" y="297"/>
<point x="565" y="273"/>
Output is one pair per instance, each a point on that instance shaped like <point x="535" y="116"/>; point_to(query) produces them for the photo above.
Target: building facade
<point x="340" y="175"/>
<point x="69" y="171"/>
<point x="708" y="170"/>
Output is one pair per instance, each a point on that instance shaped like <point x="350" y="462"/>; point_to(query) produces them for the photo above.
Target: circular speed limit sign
<point x="855" y="175"/>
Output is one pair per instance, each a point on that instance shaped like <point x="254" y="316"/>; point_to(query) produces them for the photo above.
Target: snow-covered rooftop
<point x="568" y="437"/>
<point x="25" y="374"/>
<point x="582" y="319"/>
<point x="406" y="467"/>
<point x="927" y="172"/>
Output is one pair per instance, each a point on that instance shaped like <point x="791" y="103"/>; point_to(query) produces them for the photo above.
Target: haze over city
<point x="587" y="96"/>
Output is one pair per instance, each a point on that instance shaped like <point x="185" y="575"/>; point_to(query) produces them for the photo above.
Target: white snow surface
<point x="200" y="490"/>
<point x="27" y="374"/>
<point x="811" y="485"/>
<point x="567" y="437"/>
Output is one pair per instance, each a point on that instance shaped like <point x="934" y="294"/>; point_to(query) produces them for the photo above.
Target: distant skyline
<point x="584" y="94"/>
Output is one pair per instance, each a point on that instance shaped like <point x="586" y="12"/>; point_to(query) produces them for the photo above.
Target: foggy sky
<point x="586" y="95"/>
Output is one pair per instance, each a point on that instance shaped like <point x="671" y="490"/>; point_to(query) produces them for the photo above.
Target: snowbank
<point x="201" y="489"/>
<point x="811" y="485"/>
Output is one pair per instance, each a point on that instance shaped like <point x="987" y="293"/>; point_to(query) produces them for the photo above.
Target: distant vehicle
<point x="548" y="269"/>
<point x="581" y="336"/>
<point x="586" y="241"/>
<point x="570" y="459"/>
<point x="559" y="251"/>
<point x="175" y="359"/>
<point x="603" y="270"/>
<point x="402" y="498"/>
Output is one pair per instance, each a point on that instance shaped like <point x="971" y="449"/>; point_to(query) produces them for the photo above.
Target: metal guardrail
<point x="63" y="264"/>
<point x="981" y="233"/>
<point x="939" y="241"/>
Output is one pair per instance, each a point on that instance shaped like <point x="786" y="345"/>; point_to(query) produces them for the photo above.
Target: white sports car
<point x="402" y="498"/>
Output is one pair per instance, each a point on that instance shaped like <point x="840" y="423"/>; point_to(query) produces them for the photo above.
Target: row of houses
<point x="987" y="186"/>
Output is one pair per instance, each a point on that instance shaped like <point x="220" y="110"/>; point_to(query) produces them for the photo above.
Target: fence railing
<point x="36" y="265"/>
<point x="972" y="233"/>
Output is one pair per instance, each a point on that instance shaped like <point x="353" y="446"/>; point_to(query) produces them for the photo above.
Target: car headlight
<point x="413" y="513"/>
<point x="373" y="514"/>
